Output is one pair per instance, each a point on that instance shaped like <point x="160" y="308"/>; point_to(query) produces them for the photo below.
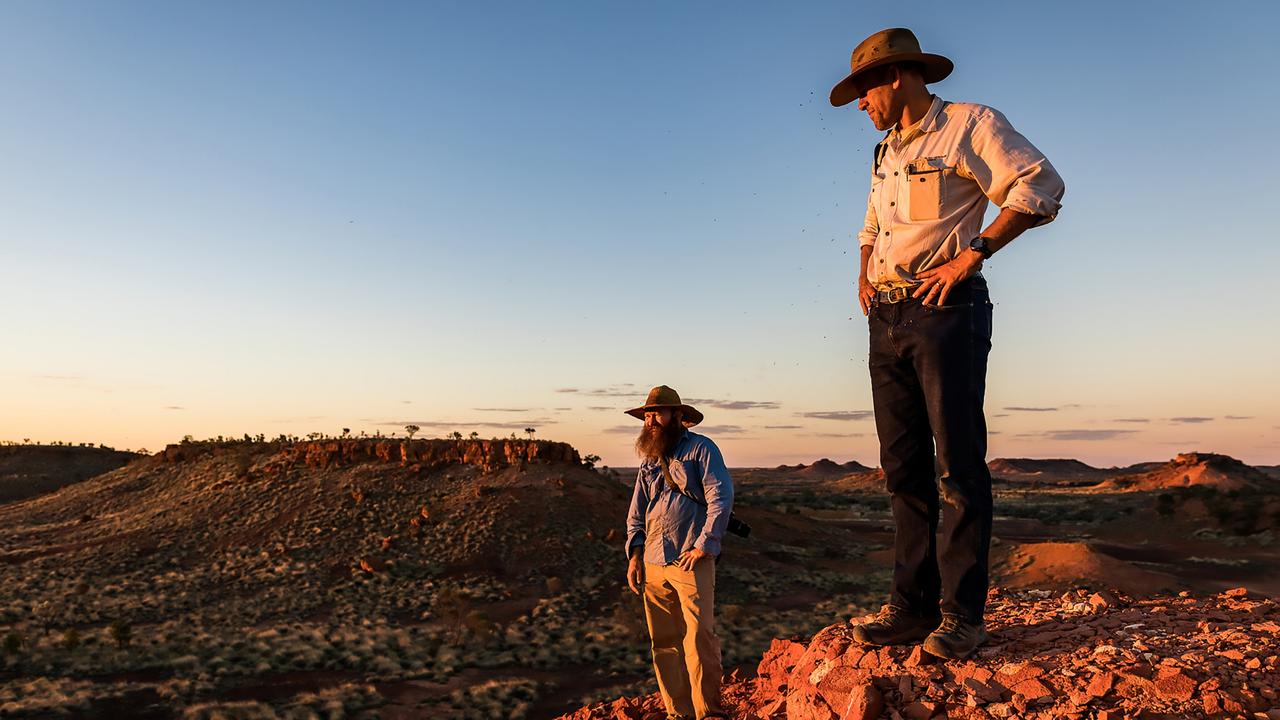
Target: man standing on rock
<point x="679" y="513"/>
<point x="930" y="325"/>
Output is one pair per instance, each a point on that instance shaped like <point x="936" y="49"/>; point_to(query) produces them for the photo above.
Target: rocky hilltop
<point x="1045" y="471"/>
<point x="1081" y="654"/>
<point x="285" y="576"/>
<point x="1193" y="469"/>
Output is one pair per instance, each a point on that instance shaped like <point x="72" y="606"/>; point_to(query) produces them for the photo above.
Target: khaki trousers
<point x="679" y="607"/>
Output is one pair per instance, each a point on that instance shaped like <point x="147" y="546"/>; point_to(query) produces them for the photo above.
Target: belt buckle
<point x="894" y="295"/>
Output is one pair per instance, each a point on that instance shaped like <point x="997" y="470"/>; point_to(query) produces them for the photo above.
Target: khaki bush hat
<point x="664" y="397"/>
<point x="888" y="46"/>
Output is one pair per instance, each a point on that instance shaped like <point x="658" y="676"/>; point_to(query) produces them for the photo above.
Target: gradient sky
<point x="239" y="217"/>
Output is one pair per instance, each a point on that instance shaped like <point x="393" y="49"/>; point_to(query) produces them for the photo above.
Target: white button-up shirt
<point x="929" y="188"/>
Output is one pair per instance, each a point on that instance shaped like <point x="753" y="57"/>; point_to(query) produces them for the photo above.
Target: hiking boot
<point x="955" y="639"/>
<point x="894" y="626"/>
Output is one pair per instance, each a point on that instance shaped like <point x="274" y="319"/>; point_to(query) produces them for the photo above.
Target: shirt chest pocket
<point x="687" y="474"/>
<point x="927" y="180"/>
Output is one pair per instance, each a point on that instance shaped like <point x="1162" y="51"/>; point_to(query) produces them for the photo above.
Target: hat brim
<point x="936" y="68"/>
<point x="690" y="417"/>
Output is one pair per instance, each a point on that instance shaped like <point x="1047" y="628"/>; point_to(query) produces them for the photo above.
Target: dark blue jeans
<point x="928" y="378"/>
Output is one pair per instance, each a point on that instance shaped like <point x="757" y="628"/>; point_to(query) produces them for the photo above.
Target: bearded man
<point x="679" y="513"/>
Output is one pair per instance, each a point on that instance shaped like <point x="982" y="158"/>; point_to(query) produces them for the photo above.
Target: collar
<point x="684" y="436"/>
<point x="929" y="123"/>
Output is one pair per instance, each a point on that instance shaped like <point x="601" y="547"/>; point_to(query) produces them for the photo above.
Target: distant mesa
<point x="1193" y="469"/>
<point x="27" y="471"/>
<point x="826" y="466"/>
<point x="821" y="467"/>
<point x="488" y="455"/>
<point x="1013" y="467"/>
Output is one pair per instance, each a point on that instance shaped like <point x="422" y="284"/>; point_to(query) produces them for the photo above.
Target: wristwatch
<point x="979" y="245"/>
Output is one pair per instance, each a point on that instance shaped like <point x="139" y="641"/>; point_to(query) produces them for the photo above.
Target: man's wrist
<point x="982" y="246"/>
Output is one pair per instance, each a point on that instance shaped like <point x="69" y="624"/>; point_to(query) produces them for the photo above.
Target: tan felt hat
<point x="888" y="46"/>
<point x="664" y="397"/>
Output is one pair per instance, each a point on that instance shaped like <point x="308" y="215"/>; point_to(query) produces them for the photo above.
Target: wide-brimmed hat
<point x="888" y="46"/>
<point x="664" y="397"/>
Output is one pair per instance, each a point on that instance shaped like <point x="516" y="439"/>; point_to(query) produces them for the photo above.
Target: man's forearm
<point x="866" y="258"/>
<point x="712" y="535"/>
<point x="1008" y="225"/>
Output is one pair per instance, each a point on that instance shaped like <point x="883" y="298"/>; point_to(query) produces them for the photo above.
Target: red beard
<point x="657" y="441"/>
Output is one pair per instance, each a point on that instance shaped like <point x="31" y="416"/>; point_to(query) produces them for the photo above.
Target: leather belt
<point x="895" y="295"/>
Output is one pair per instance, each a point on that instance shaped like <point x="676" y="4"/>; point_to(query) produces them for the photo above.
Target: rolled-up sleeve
<point x="717" y="489"/>
<point x="635" y="515"/>
<point x="870" y="223"/>
<point x="1010" y="170"/>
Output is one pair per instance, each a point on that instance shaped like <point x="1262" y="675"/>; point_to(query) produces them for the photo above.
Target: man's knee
<point x="911" y="484"/>
<point x="666" y="637"/>
<point x="666" y="629"/>
<point x="970" y="491"/>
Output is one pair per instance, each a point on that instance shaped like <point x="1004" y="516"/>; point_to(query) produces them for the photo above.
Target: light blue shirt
<point x="666" y="522"/>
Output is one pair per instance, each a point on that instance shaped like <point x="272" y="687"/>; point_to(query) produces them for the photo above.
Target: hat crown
<point x="663" y="395"/>
<point x="891" y="41"/>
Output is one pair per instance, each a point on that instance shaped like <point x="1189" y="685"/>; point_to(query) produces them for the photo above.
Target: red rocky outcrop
<point x="430" y="453"/>
<point x="487" y="454"/>
<point x="1078" y="655"/>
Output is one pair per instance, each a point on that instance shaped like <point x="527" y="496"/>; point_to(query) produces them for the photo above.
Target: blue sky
<point x="298" y="217"/>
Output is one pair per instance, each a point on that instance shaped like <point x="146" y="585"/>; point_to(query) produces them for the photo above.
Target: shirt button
<point x="895" y="172"/>
<point x="892" y="204"/>
<point x="881" y="261"/>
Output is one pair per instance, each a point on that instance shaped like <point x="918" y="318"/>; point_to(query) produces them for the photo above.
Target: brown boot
<point x="955" y="639"/>
<point x="894" y="626"/>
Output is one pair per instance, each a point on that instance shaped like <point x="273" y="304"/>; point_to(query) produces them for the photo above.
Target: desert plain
<point x="471" y="578"/>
